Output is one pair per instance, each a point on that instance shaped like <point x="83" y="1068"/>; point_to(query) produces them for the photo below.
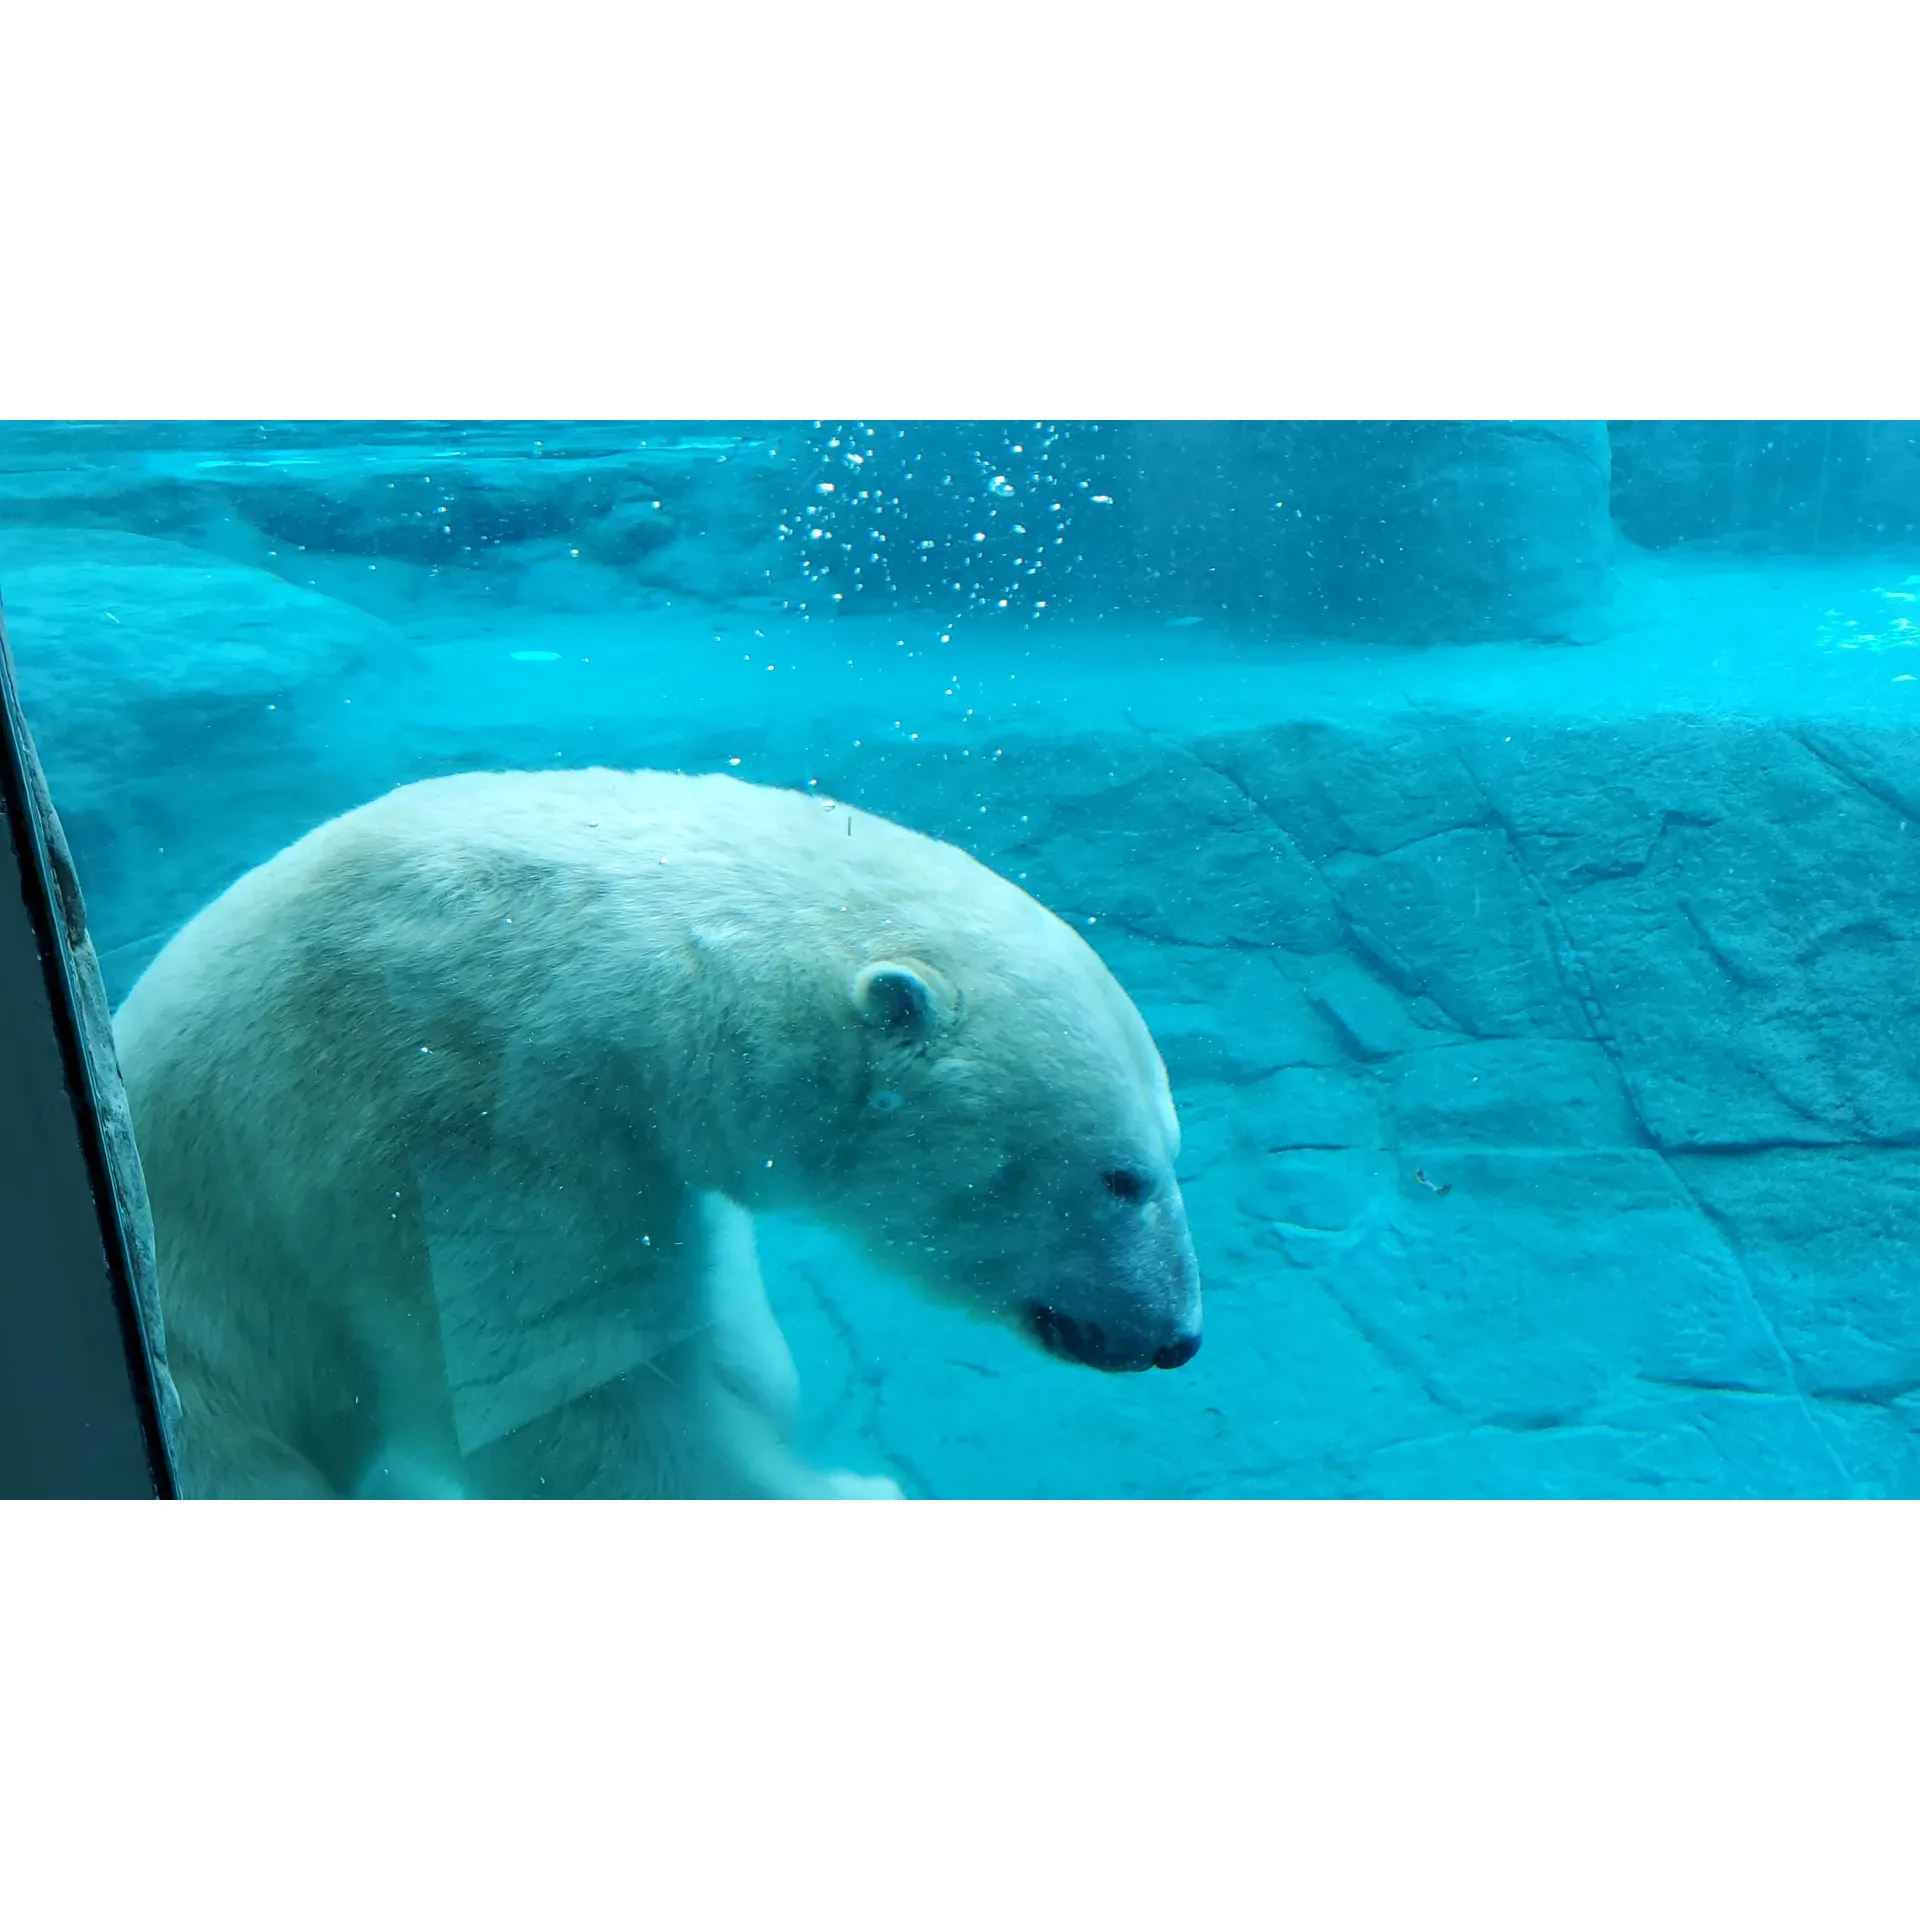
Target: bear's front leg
<point x="708" y="1411"/>
<point x="752" y="1366"/>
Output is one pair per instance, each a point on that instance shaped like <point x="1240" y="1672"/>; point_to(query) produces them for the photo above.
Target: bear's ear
<point x="904" y="1000"/>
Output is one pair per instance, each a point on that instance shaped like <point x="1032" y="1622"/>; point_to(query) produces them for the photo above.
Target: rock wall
<point x="1421" y="532"/>
<point x="1550" y="1098"/>
<point x="1769" y="486"/>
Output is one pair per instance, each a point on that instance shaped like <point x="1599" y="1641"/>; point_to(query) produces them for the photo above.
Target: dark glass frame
<point x="84" y="1396"/>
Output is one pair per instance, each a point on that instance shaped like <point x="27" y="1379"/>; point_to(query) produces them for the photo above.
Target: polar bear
<point x="454" y="1116"/>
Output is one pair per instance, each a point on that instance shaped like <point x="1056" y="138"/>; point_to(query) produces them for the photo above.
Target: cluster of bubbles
<point x="963" y="519"/>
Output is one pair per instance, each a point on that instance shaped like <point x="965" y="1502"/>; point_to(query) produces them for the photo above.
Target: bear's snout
<point x="1130" y="1301"/>
<point x="1091" y="1345"/>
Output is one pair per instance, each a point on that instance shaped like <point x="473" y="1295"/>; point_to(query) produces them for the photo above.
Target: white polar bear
<point x="454" y="1115"/>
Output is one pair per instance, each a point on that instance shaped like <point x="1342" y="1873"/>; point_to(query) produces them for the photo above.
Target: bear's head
<point x="1015" y="1141"/>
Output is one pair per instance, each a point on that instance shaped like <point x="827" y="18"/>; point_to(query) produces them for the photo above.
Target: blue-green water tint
<point x="1506" y="831"/>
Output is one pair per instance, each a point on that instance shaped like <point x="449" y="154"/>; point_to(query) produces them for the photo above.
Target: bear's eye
<point x="1125" y="1184"/>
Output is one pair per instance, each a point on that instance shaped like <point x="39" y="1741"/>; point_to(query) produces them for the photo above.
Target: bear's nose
<point x="1176" y="1353"/>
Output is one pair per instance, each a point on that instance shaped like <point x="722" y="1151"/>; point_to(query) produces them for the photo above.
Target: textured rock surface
<point x="1638" y="997"/>
<point x="654" y="511"/>
<point x="1772" y="486"/>
<point x="1423" y="532"/>
<point x="157" y="678"/>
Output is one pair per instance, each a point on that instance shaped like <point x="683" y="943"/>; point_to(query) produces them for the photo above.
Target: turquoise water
<point x="1504" y="832"/>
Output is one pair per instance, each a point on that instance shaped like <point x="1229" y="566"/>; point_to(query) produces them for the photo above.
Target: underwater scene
<point x="741" y="1069"/>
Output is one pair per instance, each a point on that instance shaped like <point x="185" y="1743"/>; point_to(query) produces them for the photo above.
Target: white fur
<point x="454" y="1115"/>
